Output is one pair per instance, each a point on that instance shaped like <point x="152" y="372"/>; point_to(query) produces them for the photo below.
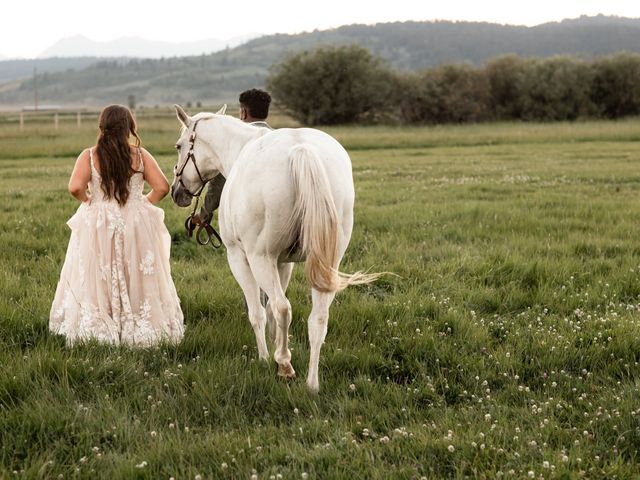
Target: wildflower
<point x="451" y="448"/>
<point x="142" y="464"/>
<point x="352" y="387"/>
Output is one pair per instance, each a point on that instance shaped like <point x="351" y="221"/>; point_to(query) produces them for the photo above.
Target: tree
<point x="447" y="94"/>
<point x="332" y="85"/>
<point x="615" y="88"/>
<point x="556" y="88"/>
<point x="506" y="76"/>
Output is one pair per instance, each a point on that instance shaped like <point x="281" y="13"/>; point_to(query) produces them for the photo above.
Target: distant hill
<point x="405" y="45"/>
<point x="81" y="46"/>
<point x="20" y="69"/>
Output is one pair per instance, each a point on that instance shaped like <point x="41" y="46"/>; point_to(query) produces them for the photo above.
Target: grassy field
<point x="507" y="347"/>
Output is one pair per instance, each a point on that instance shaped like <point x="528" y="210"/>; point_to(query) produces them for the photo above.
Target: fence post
<point x="55" y="120"/>
<point x="21" y="121"/>
<point x="79" y="119"/>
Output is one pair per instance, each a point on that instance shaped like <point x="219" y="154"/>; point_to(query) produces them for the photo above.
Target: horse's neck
<point x="235" y="136"/>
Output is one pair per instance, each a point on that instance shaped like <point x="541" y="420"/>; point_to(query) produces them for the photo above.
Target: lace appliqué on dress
<point x="146" y="266"/>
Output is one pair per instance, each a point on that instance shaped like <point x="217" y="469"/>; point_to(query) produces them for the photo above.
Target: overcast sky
<point x="28" y="27"/>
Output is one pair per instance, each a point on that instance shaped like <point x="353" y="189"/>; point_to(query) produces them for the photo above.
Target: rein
<point x="193" y="220"/>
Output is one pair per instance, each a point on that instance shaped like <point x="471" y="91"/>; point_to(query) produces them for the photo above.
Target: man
<point x="254" y="109"/>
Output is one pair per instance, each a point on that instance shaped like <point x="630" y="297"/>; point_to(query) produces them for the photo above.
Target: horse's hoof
<point x="286" y="371"/>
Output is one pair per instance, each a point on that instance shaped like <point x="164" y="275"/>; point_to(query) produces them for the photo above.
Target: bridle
<point x="208" y="229"/>
<point x="191" y="156"/>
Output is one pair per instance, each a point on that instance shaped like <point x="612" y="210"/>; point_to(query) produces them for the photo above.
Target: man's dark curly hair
<point x="257" y="102"/>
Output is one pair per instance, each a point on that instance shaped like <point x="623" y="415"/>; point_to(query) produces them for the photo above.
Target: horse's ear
<point x="223" y="110"/>
<point x="182" y="116"/>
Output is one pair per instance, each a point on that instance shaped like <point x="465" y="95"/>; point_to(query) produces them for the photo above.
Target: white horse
<point x="288" y="198"/>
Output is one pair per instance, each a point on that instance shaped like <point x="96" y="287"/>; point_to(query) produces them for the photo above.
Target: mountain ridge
<point x="138" y="47"/>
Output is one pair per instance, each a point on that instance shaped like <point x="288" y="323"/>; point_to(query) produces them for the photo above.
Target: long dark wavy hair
<point x="116" y="125"/>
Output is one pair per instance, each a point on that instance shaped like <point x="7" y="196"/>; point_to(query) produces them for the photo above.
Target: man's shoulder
<point x="262" y="124"/>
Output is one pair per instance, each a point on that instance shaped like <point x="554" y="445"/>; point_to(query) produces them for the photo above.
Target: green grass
<point x="508" y="344"/>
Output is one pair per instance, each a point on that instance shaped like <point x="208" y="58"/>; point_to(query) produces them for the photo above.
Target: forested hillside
<point x="410" y="46"/>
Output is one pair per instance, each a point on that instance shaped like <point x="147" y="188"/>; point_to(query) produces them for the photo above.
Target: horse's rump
<point x="314" y="223"/>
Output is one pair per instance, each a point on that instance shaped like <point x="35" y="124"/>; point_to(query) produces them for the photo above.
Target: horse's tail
<point x="315" y="221"/>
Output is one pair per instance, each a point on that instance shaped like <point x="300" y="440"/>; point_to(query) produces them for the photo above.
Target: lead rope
<point x="210" y="232"/>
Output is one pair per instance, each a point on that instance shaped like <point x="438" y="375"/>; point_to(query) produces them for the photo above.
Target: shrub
<point x="615" y="88"/>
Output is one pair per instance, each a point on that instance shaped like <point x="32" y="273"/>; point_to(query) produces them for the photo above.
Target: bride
<point x="115" y="285"/>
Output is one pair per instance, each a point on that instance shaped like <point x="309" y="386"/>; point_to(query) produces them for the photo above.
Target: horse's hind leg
<point x="317" y="324"/>
<point x="268" y="277"/>
<point x="246" y="280"/>
<point x="284" y="270"/>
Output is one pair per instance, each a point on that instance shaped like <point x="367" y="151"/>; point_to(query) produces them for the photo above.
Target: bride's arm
<point x="80" y="177"/>
<point x="155" y="178"/>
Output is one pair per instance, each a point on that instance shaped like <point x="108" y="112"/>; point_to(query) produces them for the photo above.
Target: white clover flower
<point x="451" y="448"/>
